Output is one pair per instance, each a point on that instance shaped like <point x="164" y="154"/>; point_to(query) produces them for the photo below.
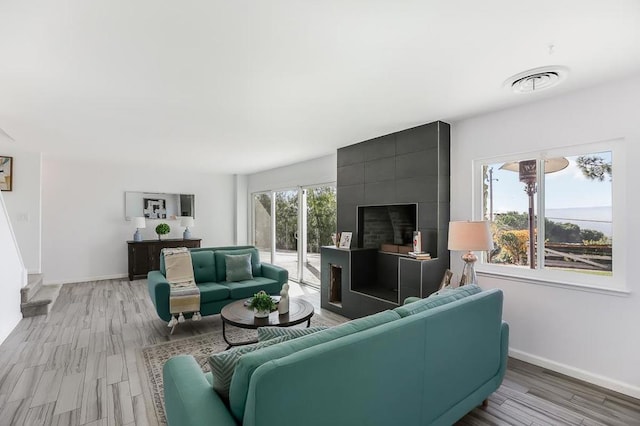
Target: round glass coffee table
<point x="239" y="315"/>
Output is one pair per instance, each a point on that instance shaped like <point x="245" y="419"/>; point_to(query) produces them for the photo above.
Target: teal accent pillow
<point x="224" y="363"/>
<point x="221" y="269"/>
<point x="440" y="298"/>
<point x="238" y="267"/>
<point x="266" y="333"/>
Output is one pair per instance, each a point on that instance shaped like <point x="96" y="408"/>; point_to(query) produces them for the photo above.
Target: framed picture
<point x="6" y="173"/>
<point x="345" y="240"/>
<point x="154" y="208"/>
<point x="446" y="279"/>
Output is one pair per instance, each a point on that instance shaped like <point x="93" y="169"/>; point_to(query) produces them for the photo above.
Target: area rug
<point x="200" y="347"/>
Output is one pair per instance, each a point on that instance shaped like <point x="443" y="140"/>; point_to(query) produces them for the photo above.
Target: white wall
<point x="242" y="210"/>
<point x="311" y="172"/>
<point x="317" y="171"/>
<point x="12" y="276"/>
<point x="84" y="232"/>
<point x="23" y="203"/>
<point x="585" y="334"/>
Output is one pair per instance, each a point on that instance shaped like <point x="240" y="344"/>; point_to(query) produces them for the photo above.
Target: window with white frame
<point x="551" y="214"/>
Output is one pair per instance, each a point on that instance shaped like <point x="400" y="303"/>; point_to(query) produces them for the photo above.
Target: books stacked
<point x="420" y="255"/>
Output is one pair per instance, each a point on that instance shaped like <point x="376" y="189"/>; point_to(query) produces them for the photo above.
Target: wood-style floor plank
<point x="79" y="366"/>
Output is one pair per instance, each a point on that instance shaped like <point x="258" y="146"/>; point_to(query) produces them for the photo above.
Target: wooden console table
<point x="144" y="256"/>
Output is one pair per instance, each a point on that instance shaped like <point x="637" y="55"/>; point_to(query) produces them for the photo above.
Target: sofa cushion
<point x="266" y="333"/>
<point x="204" y="266"/>
<point x="437" y="299"/>
<point x="238" y="267"/>
<point x="221" y="265"/>
<point x="246" y="289"/>
<point x="212" y="292"/>
<point x="223" y="363"/>
<point x="250" y="362"/>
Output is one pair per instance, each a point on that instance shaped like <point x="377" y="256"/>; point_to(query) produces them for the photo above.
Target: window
<point x="552" y="215"/>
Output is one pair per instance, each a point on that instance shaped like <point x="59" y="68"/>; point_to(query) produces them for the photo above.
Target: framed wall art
<point x="6" y="173"/>
<point x="154" y="208"/>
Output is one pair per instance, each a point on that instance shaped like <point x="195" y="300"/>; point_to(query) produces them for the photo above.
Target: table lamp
<point x="186" y="221"/>
<point x="469" y="236"/>
<point x="139" y="223"/>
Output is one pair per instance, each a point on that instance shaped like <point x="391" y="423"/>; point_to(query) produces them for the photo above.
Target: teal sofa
<point x="393" y="368"/>
<point x="209" y="270"/>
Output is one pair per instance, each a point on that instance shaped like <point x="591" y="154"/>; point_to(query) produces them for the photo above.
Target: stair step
<point x="33" y="285"/>
<point x="41" y="302"/>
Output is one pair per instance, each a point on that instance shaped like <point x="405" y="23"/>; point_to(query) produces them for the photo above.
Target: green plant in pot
<point x="262" y="304"/>
<point x="162" y="229"/>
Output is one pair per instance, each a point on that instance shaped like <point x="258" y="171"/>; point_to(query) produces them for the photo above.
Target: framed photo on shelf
<point x="6" y="173"/>
<point x="345" y="240"/>
<point x="446" y="279"/>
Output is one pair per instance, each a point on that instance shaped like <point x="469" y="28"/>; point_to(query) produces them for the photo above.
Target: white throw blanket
<point x="184" y="296"/>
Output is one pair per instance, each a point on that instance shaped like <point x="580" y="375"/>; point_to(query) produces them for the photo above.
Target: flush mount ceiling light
<point x="537" y="79"/>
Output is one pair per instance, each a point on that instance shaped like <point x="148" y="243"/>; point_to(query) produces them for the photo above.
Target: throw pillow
<point x="238" y="267"/>
<point x="266" y="333"/>
<point x="224" y="363"/>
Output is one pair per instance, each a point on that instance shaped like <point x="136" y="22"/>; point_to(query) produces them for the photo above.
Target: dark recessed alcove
<point x="386" y="224"/>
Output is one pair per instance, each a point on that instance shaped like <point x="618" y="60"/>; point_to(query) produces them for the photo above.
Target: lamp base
<point x="186" y="234"/>
<point x="137" y="236"/>
<point x="468" y="271"/>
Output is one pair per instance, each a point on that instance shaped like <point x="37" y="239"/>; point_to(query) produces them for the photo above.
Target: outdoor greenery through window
<point x="565" y="202"/>
<point x="290" y="226"/>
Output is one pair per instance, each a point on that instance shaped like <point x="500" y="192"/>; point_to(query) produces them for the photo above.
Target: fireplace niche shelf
<point x="372" y="281"/>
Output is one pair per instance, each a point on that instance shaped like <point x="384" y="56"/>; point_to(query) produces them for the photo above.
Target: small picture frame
<point x="345" y="240"/>
<point x="6" y="173"/>
<point x="446" y="279"/>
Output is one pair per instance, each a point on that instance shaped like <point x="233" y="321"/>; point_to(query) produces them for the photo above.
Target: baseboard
<point x="87" y="279"/>
<point x="576" y="373"/>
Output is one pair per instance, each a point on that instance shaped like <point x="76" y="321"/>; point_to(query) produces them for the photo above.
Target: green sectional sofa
<point x="209" y="269"/>
<point x="425" y="363"/>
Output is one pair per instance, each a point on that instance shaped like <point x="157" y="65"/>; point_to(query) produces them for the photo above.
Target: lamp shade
<point x="186" y="221"/>
<point x="470" y="236"/>
<point x="139" y="222"/>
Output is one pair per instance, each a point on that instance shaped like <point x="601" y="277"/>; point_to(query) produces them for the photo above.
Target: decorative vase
<point x="283" y="305"/>
<point x="260" y="314"/>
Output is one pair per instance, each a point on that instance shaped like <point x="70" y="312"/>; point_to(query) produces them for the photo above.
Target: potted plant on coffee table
<point x="262" y="304"/>
<point x="162" y="229"/>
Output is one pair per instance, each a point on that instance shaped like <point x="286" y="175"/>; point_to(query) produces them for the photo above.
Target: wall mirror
<point x="158" y="205"/>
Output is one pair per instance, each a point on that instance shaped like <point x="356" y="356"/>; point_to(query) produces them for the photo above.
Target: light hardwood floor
<point x="78" y="366"/>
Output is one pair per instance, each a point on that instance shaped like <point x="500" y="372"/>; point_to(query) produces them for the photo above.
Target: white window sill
<point x="611" y="291"/>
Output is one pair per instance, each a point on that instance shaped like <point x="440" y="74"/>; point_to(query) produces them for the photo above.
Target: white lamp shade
<point x="470" y="236"/>
<point x="139" y="222"/>
<point x="186" y="221"/>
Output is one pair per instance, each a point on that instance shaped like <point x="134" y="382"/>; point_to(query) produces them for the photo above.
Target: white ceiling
<point x="240" y="86"/>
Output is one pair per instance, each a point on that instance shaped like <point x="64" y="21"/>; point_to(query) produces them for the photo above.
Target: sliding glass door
<point x="290" y="226"/>
<point x="320" y="223"/>
<point x="286" y="253"/>
<point x="262" y="220"/>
